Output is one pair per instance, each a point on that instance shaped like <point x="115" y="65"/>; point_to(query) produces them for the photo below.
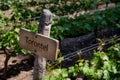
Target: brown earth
<point x="19" y="68"/>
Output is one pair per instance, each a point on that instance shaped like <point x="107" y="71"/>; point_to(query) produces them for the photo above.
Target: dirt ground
<point x="19" y="68"/>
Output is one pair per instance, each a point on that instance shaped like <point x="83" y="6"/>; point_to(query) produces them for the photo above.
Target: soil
<point x="19" y="68"/>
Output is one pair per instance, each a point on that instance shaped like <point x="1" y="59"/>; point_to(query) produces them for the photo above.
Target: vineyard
<point x="88" y="32"/>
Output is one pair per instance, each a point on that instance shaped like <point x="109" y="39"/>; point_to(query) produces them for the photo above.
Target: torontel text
<point x="39" y="45"/>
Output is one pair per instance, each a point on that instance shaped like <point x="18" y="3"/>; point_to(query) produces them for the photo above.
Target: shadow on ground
<point x="15" y="69"/>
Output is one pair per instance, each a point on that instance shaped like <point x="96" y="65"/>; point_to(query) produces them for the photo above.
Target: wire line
<point x="95" y="46"/>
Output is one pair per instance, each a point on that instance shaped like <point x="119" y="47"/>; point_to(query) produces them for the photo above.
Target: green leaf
<point x="114" y="69"/>
<point x="92" y="71"/>
<point x="67" y="79"/>
<point x="118" y="25"/>
<point x="71" y="69"/>
<point x="107" y="65"/>
<point x="86" y="68"/>
<point x="80" y="61"/>
<point x="99" y="74"/>
<point x="2" y="24"/>
<point x="88" y="27"/>
<point x="1" y="13"/>
<point x="104" y="56"/>
<point x="56" y="72"/>
<point x="106" y="75"/>
<point x="24" y="51"/>
<point x="64" y="73"/>
<point x="75" y="74"/>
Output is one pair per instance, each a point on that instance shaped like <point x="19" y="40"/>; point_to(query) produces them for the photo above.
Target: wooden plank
<point x="39" y="44"/>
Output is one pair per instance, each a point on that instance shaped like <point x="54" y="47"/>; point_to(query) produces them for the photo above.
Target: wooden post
<point x="44" y="28"/>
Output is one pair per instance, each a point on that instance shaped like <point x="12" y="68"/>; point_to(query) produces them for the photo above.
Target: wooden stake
<point x="44" y="28"/>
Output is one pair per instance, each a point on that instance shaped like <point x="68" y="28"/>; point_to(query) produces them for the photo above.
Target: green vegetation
<point x="86" y="23"/>
<point x="104" y="65"/>
<point x="83" y="4"/>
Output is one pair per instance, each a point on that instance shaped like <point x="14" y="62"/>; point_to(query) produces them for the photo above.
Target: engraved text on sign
<point x="39" y="44"/>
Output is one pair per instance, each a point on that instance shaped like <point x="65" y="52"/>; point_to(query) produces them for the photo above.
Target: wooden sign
<point x="39" y="44"/>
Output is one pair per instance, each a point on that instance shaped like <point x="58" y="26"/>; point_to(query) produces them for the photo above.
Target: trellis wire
<point x="95" y="46"/>
<point x="108" y="42"/>
<point x="71" y="55"/>
<point x="81" y="50"/>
